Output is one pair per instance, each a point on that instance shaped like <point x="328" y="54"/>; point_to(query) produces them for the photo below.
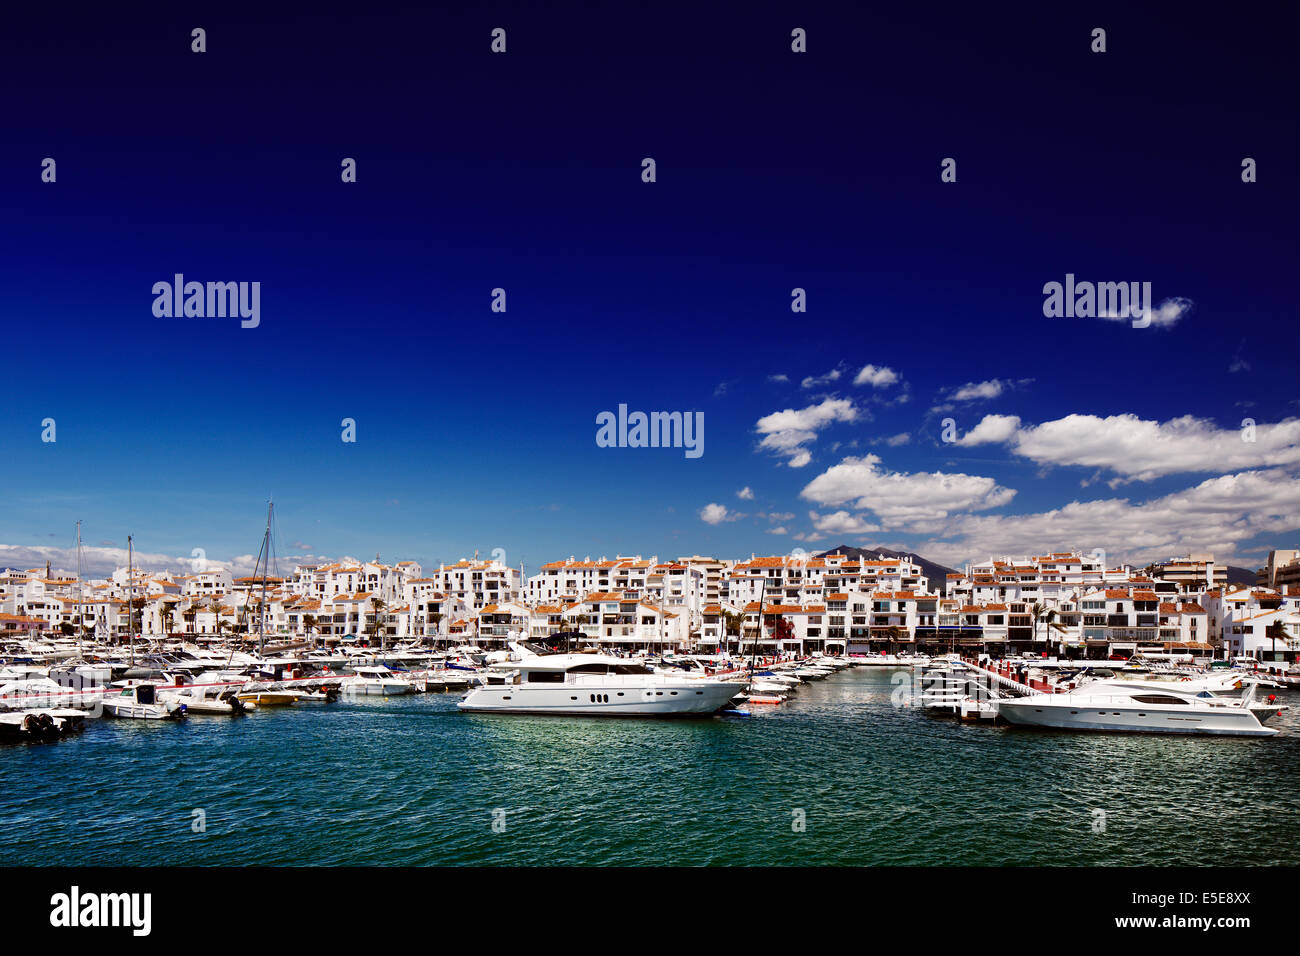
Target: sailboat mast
<point x="266" y="560"/>
<point x="130" y="601"/>
<point x="753" y="654"/>
<point x="79" y="615"/>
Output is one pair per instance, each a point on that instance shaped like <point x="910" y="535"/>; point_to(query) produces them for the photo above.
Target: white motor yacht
<point x="1119" y="706"/>
<point x="595" y="685"/>
<point x="376" y="681"/>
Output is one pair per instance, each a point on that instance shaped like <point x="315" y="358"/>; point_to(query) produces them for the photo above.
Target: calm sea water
<point x="413" y="781"/>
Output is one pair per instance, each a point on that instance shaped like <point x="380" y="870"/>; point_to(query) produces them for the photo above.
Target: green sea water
<point x="837" y="776"/>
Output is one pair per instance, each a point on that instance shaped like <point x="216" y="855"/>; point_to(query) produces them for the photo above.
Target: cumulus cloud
<point x="876" y="376"/>
<point x="788" y="432"/>
<point x="1219" y="515"/>
<point x="893" y="441"/>
<point x="778" y="377"/>
<point x="842" y="522"/>
<point x="978" y="390"/>
<point x="716" y="514"/>
<point x="991" y="429"/>
<point x="1142" y="449"/>
<point x="779" y="529"/>
<point x="897" y="498"/>
<point x="746" y="493"/>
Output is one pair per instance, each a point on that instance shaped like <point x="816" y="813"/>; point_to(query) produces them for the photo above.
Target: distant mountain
<point x="937" y="573"/>
<point x="1241" y="576"/>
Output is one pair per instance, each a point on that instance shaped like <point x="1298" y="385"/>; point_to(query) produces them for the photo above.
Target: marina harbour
<point x="851" y="769"/>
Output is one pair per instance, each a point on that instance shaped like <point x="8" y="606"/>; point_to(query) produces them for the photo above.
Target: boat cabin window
<point x="144" y="694"/>
<point x="1159" y="699"/>
<point x="602" y="667"/>
<point x="546" y="677"/>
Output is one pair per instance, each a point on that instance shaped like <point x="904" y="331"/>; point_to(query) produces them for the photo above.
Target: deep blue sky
<point x="775" y="170"/>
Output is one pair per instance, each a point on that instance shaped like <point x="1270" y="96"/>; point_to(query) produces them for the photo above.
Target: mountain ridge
<point x="936" y="572"/>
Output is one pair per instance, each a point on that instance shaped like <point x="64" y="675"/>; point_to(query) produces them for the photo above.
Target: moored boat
<point x="596" y="685"/>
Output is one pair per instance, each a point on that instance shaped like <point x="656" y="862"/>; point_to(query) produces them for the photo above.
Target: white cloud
<point x="787" y="432"/>
<point x="102" y="561"/>
<point x="975" y="391"/>
<point x="991" y="429"/>
<point x="1142" y="449"/>
<point x="1170" y="311"/>
<point x="893" y="441"/>
<point x="876" y="376"/>
<point x="746" y="493"/>
<point x="778" y="377"/>
<point x="716" y="514"/>
<point x="780" y="529"/>
<point x="842" y="522"/>
<point x="897" y="498"/>
<point x="1219" y="515"/>
<point x="813" y="381"/>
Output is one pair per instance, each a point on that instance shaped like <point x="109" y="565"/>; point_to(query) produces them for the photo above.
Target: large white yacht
<point x="595" y="685"/>
<point x="1122" y="706"/>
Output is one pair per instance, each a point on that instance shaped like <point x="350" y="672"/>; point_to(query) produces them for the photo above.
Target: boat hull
<point x="685" y="699"/>
<point x="1031" y="712"/>
<point x="385" y="689"/>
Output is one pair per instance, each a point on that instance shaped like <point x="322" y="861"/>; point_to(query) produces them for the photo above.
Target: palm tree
<point x="893" y="634"/>
<point x="215" y="608"/>
<point x="376" y="605"/>
<point x="1275" y="630"/>
<point x="1046" y="616"/>
<point x="309" y="623"/>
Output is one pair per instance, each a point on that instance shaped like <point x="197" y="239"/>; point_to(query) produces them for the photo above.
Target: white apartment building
<point x="1045" y="579"/>
<point x="573" y="580"/>
<point x="1193" y="574"/>
<point x="478" y="583"/>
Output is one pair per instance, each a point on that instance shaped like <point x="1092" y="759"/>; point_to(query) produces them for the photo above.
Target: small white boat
<point x="41" y="724"/>
<point x="377" y="681"/>
<point x="202" y="701"/>
<point x="267" y="698"/>
<point x="41" y="692"/>
<point x="140" y="702"/>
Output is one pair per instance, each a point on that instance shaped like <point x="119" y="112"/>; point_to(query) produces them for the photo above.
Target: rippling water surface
<point x="412" y="781"/>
